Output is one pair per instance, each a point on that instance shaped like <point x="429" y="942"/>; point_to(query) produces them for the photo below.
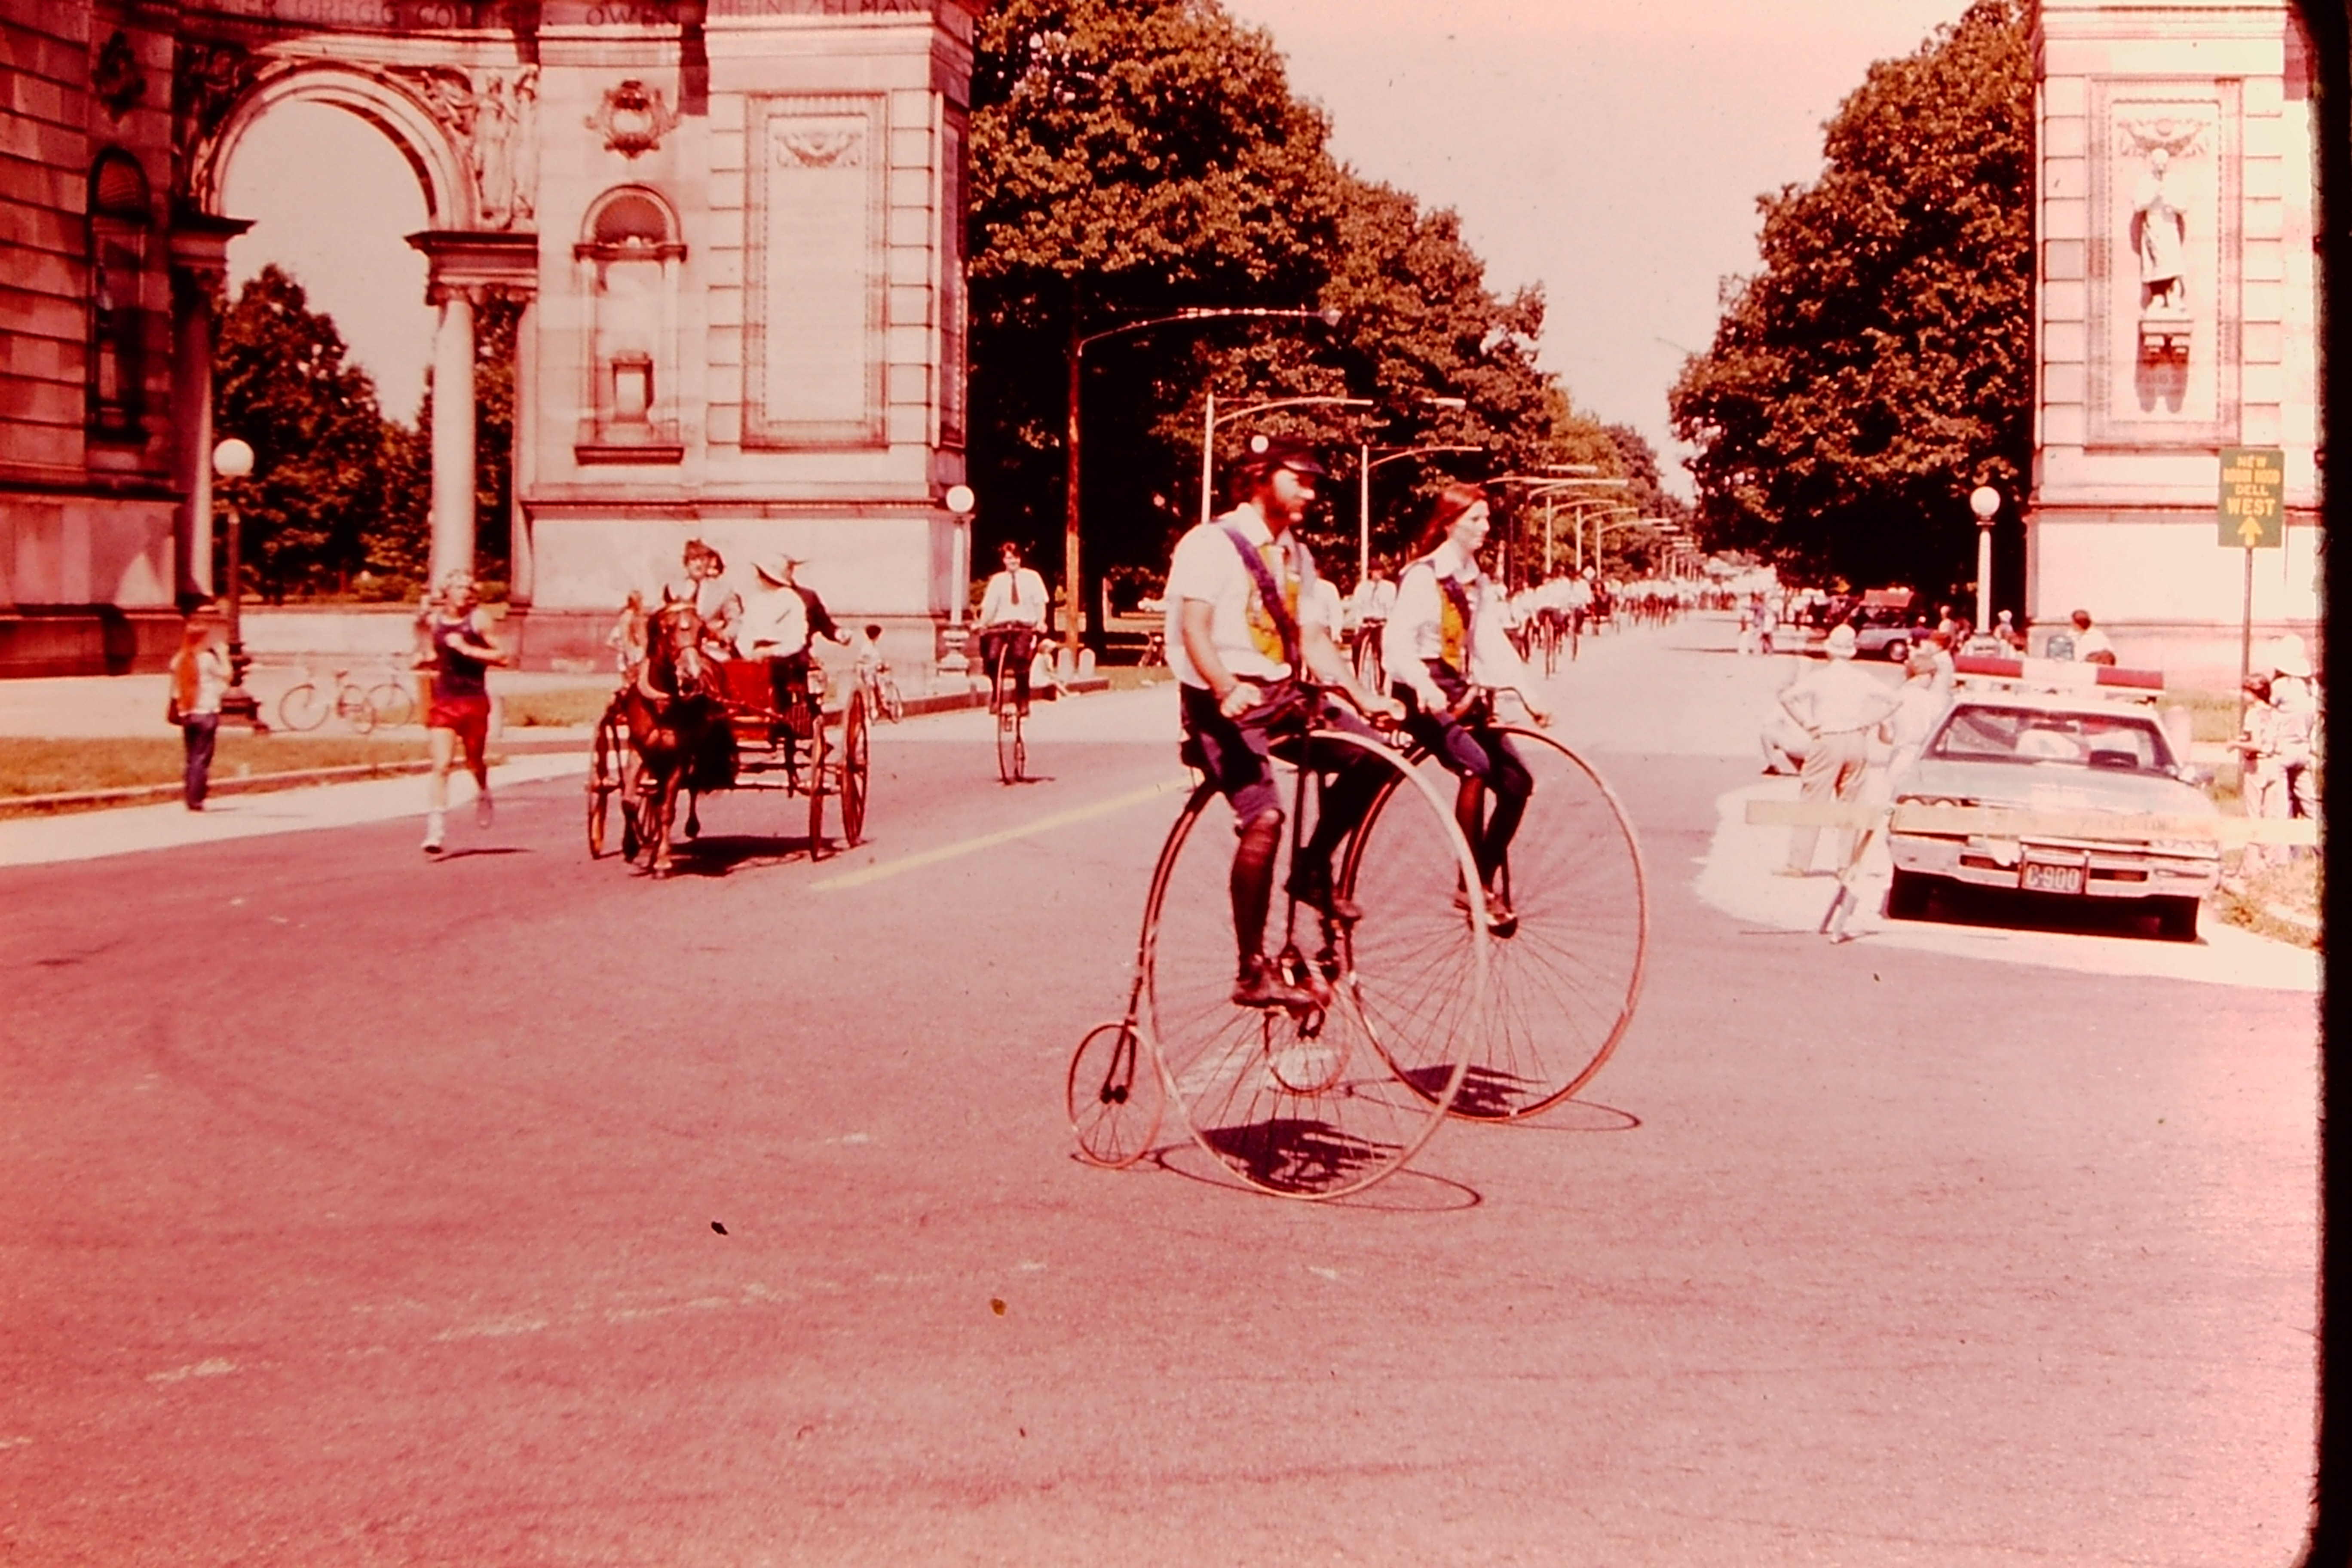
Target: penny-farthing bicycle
<point x="1564" y="975"/>
<point x="1318" y="1101"/>
<point x="1012" y="744"/>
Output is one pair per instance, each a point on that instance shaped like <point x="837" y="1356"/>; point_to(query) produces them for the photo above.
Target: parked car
<point x="2057" y="754"/>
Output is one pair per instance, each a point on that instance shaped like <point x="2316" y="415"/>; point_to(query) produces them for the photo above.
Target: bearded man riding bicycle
<point x="1244" y="626"/>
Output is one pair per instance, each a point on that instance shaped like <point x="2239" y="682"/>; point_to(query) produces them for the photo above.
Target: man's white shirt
<point x="1207" y="568"/>
<point x="775" y="625"/>
<point x="1016" y="597"/>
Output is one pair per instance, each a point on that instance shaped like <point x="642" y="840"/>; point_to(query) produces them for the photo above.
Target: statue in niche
<point x="2159" y="235"/>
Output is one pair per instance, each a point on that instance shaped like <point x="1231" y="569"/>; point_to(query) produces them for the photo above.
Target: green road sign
<point x="2253" y="498"/>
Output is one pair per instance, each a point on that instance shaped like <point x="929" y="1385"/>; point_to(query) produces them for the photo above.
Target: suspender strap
<point x="1269" y="593"/>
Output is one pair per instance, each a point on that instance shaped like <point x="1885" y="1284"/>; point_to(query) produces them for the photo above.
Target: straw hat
<point x="1841" y="642"/>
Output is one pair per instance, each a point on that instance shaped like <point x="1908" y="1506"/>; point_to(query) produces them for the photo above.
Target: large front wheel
<point x="1308" y="1104"/>
<point x="1563" y="980"/>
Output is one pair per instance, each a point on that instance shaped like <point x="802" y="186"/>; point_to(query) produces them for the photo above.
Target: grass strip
<point x="31" y="765"/>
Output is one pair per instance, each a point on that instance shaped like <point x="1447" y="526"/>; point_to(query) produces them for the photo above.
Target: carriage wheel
<point x="1308" y="1106"/>
<point x="855" y="736"/>
<point x="816" y="766"/>
<point x="1114" y="1095"/>
<point x="604" y="781"/>
<point x="1561" y="986"/>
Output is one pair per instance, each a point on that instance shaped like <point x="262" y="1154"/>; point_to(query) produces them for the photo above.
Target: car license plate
<point x="2041" y="878"/>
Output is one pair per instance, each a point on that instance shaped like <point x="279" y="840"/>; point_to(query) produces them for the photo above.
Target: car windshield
<point x="1981" y="733"/>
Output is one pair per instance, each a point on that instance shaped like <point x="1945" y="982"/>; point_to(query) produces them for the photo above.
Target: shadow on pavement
<point x="1407" y="1192"/>
<point x="2002" y="910"/>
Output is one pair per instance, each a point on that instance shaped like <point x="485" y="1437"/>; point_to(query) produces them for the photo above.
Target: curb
<point x="251" y="784"/>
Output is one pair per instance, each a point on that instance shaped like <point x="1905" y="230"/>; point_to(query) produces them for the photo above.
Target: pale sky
<point x="1611" y="149"/>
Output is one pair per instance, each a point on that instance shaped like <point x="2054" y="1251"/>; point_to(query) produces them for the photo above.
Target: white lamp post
<point x="232" y="460"/>
<point x="1985" y="502"/>
<point x="961" y="503"/>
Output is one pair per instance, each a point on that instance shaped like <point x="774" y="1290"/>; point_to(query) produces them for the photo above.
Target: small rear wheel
<point x="1009" y="756"/>
<point x="1114" y="1095"/>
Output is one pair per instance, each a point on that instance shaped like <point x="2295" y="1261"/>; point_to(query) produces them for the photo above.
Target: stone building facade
<point x="735" y="228"/>
<point x="2176" y="314"/>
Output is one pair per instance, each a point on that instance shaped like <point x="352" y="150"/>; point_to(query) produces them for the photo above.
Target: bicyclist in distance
<point x="1244" y="620"/>
<point x="1012" y="613"/>
<point x="1446" y="648"/>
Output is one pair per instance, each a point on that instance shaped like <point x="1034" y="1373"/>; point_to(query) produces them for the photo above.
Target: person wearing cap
<point x="1839" y="704"/>
<point x="1445" y="648"/>
<point x="458" y="712"/>
<point x="1242" y="626"/>
<point x="1012" y="612"/>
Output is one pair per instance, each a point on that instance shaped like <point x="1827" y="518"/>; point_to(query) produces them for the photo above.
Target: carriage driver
<point x="719" y="607"/>
<point x="778" y="625"/>
<point x="1243" y="620"/>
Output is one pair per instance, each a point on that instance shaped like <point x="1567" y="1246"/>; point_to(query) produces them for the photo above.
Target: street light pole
<point x="1368" y="459"/>
<point x="1210" y="419"/>
<point x="1985" y="502"/>
<point x="233" y="460"/>
<point x="1076" y="614"/>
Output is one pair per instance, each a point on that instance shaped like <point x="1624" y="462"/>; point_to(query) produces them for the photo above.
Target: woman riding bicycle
<point x="1446" y="648"/>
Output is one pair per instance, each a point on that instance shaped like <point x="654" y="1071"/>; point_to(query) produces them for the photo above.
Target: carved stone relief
<point x="116" y="80"/>
<point x="493" y="116"/>
<point x="631" y="119"/>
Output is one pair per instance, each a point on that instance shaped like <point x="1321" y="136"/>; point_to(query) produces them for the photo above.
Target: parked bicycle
<point x="387" y="702"/>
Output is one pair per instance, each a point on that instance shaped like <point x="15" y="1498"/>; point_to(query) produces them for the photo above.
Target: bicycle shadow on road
<point x="448" y="855"/>
<point x="1407" y="1192"/>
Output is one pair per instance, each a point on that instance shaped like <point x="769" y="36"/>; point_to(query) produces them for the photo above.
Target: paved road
<point x="365" y="1209"/>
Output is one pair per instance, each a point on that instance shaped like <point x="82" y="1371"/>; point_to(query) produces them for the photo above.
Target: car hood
<point x="2060" y="787"/>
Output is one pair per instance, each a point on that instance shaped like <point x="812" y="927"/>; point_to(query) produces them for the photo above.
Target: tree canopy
<point x="339" y="493"/>
<point x="1879" y="367"/>
<point x="1133" y="158"/>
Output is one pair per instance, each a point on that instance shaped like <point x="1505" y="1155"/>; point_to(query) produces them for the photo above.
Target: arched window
<point x="121" y="216"/>
<point x="629" y="258"/>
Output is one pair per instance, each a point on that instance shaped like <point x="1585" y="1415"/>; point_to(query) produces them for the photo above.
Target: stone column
<point x="192" y="422"/>
<point x="199" y="269"/>
<point x="525" y="469"/>
<point x="453" y="430"/>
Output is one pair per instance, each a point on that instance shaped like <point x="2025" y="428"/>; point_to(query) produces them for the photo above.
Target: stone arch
<point x="419" y="136"/>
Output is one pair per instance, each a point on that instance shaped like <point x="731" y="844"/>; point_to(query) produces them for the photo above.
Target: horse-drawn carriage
<point x="689" y="723"/>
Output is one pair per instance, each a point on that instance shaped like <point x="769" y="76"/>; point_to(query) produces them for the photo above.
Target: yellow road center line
<point x="858" y="879"/>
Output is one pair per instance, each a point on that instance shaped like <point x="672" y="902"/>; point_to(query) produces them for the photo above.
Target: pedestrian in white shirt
<point x="1839" y="704"/>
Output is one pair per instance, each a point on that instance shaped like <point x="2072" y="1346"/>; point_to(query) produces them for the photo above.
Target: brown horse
<point x="678" y="725"/>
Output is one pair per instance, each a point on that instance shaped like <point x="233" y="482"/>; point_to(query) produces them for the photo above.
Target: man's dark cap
<point x="1267" y="453"/>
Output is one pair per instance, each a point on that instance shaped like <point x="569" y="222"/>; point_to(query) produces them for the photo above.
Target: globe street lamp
<point x="1328" y="316"/>
<point x="1985" y="502"/>
<point x="961" y="503"/>
<point x="233" y="460"/>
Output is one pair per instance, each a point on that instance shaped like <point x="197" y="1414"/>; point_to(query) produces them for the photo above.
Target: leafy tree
<point x="1131" y="158"/>
<point x="1878" y="368"/>
<point x="283" y="385"/>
